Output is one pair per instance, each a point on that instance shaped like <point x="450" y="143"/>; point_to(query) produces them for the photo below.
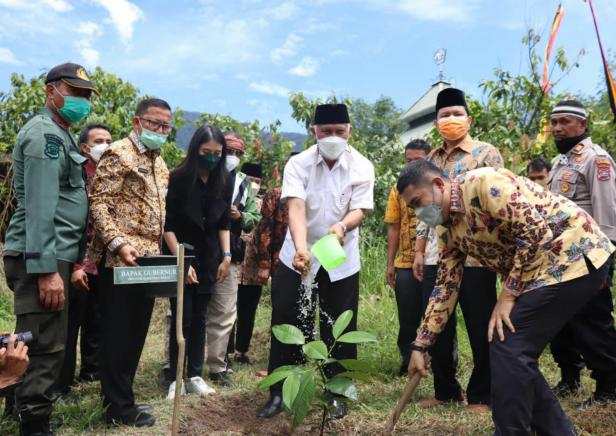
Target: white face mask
<point x="332" y="147"/>
<point x="97" y="151"/>
<point x="232" y="162"/>
<point x="255" y="187"/>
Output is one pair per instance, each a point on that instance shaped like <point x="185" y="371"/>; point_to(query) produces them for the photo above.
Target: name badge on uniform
<point x="142" y="170"/>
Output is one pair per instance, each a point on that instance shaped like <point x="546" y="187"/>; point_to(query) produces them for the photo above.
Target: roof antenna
<point x="439" y="59"/>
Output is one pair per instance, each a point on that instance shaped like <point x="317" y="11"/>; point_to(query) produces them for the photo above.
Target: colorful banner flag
<point x="544" y="127"/>
<point x="611" y="88"/>
<point x="545" y="82"/>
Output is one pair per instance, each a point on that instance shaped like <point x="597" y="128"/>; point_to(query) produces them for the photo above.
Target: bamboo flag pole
<point x="179" y="375"/>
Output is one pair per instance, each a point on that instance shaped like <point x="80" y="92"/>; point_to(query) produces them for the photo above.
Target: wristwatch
<point x="343" y="225"/>
<point x="416" y="347"/>
<point x="226" y="254"/>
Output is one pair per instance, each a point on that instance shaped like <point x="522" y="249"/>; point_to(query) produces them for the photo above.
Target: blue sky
<point x="243" y="57"/>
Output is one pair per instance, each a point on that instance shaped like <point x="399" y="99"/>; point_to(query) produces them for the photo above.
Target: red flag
<point x="611" y="89"/>
<point x="545" y="82"/>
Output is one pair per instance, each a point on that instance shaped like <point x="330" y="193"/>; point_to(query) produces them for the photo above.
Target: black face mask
<point x="566" y="144"/>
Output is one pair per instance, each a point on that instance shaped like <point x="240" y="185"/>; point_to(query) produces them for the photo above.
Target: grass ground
<point x="231" y="411"/>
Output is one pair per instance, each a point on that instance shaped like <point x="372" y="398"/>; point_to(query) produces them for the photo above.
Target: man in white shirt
<point x="329" y="189"/>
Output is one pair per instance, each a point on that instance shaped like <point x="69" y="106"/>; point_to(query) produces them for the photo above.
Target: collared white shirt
<point x="329" y="195"/>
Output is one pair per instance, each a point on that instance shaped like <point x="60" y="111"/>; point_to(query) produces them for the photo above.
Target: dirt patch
<point x="235" y="414"/>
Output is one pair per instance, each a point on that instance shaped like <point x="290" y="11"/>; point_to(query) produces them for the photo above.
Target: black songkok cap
<point x="252" y="170"/>
<point x="331" y="114"/>
<point x="451" y="97"/>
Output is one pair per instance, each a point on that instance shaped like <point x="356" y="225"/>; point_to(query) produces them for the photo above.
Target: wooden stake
<point x="179" y="333"/>
<point x="402" y="402"/>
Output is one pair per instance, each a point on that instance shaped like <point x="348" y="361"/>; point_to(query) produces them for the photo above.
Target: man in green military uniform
<point x="46" y="235"/>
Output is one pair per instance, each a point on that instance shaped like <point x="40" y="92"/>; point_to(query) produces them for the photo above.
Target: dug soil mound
<point x="235" y="414"/>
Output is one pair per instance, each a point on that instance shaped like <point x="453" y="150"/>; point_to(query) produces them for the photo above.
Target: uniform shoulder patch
<point x="604" y="169"/>
<point x="52" y="145"/>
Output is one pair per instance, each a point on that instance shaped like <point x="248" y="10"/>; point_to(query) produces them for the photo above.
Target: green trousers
<point x="34" y="398"/>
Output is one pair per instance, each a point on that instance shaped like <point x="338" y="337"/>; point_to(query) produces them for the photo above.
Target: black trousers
<point x="409" y="300"/>
<point x="600" y="355"/>
<point x="248" y="298"/>
<point x="477" y="298"/>
<point x="125" y="315"/>
<point x="84" y="315"/>
<point x="193" y="326"/>
<point x="334" y="298"/>
<point x="522" y="401"/>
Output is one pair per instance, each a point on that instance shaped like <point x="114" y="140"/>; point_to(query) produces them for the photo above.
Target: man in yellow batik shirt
<point x="401" y="226"/>
<point x="553" y="258"/>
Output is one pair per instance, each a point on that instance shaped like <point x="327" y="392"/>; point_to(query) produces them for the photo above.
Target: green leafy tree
<point x="271" y="154"/>
<point x="306" y="387"/>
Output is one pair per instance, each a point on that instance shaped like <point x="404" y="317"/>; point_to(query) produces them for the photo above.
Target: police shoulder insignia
<point x="578" y="148"/>
<point x="52" y="146"/>
<point x="604" y="169"/>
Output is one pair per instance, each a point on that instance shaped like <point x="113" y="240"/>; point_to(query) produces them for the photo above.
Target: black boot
<point x="569" y="383"/>
<point x="39" y="427"/>
<point x="273" y="406"/>
<point x="567" y="386"/>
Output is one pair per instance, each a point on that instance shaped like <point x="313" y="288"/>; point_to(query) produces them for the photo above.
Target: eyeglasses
<point x="157" y="125"/>
<point x="235" y="152"/>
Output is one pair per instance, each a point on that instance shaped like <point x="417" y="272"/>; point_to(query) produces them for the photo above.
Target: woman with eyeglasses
<point x="198" y="215"/>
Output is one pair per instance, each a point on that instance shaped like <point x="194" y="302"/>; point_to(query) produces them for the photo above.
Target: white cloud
<point x="307" y="67"/>
<point x="90" y="56"/>
<point x="269" y="89"/>
<point x="58" y="5"/>
<point x="283" y="11"/>
<point x="90" y="31"/>
<point x="289" y="48"/>
<point x="124" y="15"/>
<point x="8" y="57"/>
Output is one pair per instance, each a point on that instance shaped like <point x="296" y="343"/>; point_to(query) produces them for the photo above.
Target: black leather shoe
<point x="36" y="428"/>
<point x="143" y="407"/>
<point x="242" y="359"/>
<point x="221" y="378"/>
<point x="135" y="419"/>
<point x="88" y="377"/>
<point x="598" y="399"/>
<point x="566" y="387"/>
<point x="273" y="406"/>
<point x="337" y="409"/>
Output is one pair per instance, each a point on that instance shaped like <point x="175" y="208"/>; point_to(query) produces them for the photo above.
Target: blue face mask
<point x="152" y="140"/>
<point x="431" y="215"/>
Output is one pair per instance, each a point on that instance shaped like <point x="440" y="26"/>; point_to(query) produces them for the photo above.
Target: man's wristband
<point x="226" y="254"/>
<point x="416" y="347"/>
